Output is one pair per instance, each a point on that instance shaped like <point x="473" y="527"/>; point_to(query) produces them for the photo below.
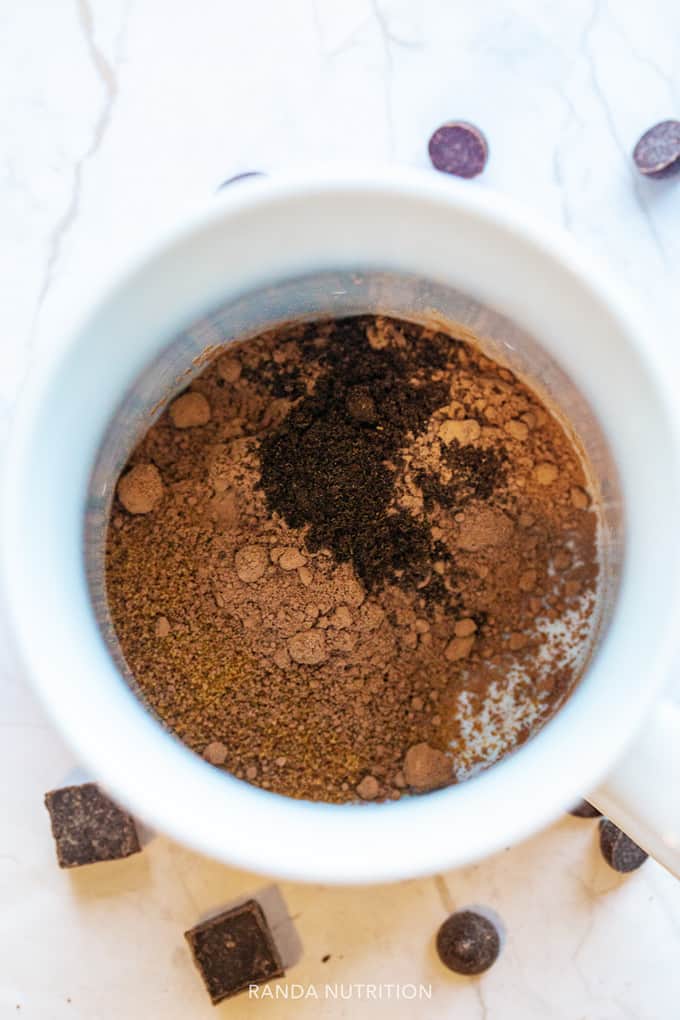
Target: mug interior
<point x="345" y="293"/>
<point x="418" y="243"/>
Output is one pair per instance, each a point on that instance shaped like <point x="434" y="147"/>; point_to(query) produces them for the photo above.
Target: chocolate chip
<point x="459" y="148"/>
<point x="619" y="850"/>
<point x="241" y="177"/>
<point x="657" y="154"/>
<point x="468" y="943"/>
<point x="584" y="810"/>
<point x="233" y="950"/>
<point x="88" y="827"/>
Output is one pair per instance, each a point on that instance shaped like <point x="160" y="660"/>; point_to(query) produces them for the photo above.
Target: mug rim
<point x="298" y="839"/>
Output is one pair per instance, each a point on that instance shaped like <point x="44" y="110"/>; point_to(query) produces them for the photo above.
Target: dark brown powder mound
<point x="337" y="444"/>
<point x="368" y="567"/>
<point x="474" y="474"/>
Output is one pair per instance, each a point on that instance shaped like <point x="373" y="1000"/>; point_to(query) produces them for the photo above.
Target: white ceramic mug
<point x="394" y="236"/>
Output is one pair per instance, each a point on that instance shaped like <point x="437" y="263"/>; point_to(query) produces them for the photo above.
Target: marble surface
<point x="115" y="115"/>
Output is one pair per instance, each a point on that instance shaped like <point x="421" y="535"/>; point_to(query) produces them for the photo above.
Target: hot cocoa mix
<point x="356" y="559"/>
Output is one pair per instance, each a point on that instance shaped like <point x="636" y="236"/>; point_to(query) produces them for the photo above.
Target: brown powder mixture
<point x="355" y="558"/>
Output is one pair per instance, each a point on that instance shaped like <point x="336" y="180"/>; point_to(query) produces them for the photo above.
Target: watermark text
<point x="340" y="991"/>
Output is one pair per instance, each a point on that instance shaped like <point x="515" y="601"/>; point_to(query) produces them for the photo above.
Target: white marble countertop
<point x="115" y="115"/>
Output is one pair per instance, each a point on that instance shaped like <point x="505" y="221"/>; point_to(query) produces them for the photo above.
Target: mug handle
<point x="642" y="792"/>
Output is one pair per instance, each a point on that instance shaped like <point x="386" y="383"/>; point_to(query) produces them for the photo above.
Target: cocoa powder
<point x="355" y="559"/>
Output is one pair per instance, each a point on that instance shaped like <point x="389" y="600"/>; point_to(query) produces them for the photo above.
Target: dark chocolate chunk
<point x="618" y="849"/>
<point x="468" y="943"/>
<point x="657" y="154"/>
<point x="240" y="177"/>
<point x="459" y="148"/>
<point x="584" y="810"/>
<point x="234" y="950"/>
<point x="88" y="827"/>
